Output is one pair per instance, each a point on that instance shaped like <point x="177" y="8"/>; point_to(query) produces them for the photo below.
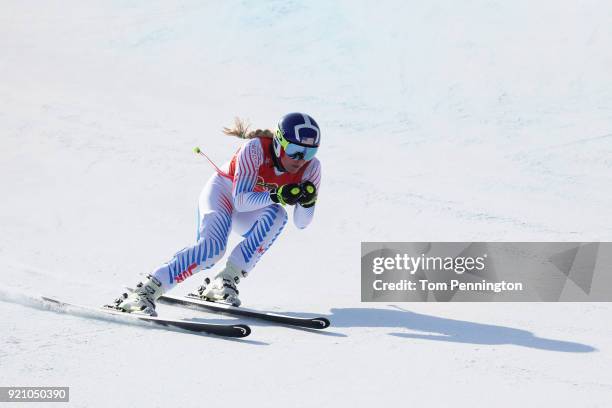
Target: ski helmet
<point x="298" y="136"/>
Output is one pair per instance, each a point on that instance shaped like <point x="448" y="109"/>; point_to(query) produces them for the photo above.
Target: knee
<point x="216" y="226"/>
<point x="280" y="216"/>
<point x="212" y="242"/>
<point x="209" y="250"/>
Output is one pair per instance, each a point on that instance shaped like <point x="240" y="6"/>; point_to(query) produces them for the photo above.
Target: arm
<point x="303" y="216"/>
<point x="249" y="158"/>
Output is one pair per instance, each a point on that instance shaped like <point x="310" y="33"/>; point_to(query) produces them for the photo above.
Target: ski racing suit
<point x="237" y="198"/>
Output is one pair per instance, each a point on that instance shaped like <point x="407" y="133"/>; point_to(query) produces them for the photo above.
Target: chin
<point x="294" y="169"/>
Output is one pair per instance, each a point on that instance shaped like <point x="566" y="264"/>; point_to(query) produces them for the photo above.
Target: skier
<point x="247" y="195"/>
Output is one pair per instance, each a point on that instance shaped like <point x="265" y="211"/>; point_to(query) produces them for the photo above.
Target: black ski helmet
<point x="297" y="129"/>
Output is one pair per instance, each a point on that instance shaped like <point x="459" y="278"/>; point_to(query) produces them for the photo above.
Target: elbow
<point x="301" y="224"/>
<point x="303" y="216"/>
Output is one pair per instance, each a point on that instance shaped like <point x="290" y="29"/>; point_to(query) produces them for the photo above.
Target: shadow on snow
<point x="450" y="330"/>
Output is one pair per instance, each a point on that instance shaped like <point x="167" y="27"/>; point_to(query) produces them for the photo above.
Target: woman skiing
<point x="247" y="195"/>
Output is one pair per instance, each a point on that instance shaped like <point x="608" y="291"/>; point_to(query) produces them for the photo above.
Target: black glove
<point x="309" y="194"/>
<point x="286" y="194"/>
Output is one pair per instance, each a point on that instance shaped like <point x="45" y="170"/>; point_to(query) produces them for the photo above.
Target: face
<point x="292" y="166"/>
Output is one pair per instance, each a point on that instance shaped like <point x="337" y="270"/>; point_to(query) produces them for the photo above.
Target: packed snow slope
<point x="481" y="120"/>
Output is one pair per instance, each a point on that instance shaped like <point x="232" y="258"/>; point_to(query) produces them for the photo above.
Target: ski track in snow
<point x="37" y="303"/>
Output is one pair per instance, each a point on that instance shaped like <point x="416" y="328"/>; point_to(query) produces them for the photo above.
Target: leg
<point x="265" y="225"/>
<point x="215" y="209"/>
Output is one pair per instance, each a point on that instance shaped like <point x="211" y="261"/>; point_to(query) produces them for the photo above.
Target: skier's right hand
<point x="286" y="194"/>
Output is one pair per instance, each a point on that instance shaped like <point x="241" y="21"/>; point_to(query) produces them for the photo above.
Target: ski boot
<point x="142" y="299"/>
<point x="222" y="288"/>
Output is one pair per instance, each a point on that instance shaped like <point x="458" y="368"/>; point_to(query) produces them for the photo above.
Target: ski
<point x="226" y="330"/>
<point x="193" y="300"/>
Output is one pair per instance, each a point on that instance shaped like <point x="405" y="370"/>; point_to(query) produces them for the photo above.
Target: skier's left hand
<point x="309" y="194"/>
<point x="286" y="194"/>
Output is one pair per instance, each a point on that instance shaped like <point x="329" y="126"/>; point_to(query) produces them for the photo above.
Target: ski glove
<point x="309" y="194"/>
<point x="286" y="194"/>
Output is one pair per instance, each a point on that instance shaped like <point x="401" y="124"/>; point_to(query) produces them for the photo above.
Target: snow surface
<point x="480" y="120"/>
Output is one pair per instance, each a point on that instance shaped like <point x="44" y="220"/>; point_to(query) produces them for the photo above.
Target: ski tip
<point x="243" y="329"/>
<point x="322" y="321"/>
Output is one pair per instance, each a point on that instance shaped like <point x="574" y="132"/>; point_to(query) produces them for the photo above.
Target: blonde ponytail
<point x="241" y="130"/>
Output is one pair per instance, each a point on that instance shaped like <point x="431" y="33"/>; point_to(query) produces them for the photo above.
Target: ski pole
<point x="199" y="151"/>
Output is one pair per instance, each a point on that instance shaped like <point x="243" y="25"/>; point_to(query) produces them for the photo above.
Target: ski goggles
<point x="295" y="151"/>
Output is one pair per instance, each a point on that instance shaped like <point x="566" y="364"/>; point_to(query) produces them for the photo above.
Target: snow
<point x="479" y="120"/>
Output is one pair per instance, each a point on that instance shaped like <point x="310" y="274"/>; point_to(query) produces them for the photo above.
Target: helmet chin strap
<point x="276" y="160"/>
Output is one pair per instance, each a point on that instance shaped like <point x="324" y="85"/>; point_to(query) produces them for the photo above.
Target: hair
<point x="241" y="130"/>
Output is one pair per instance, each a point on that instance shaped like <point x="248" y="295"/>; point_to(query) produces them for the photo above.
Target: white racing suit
<point x="231" y="202"/>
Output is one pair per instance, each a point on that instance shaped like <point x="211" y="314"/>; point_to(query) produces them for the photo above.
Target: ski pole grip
<point x="197" y="150"/>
